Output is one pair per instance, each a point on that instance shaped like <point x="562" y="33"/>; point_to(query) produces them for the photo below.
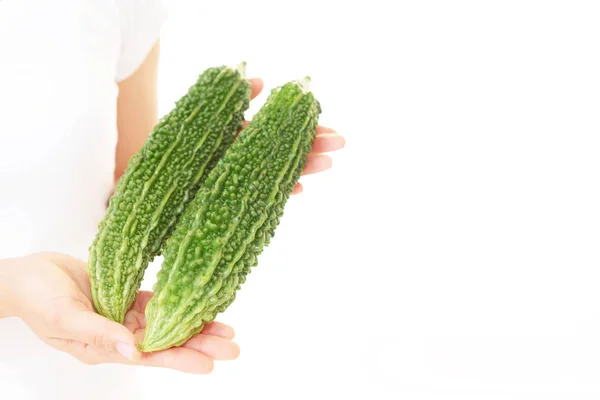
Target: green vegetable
<point x="160" y="180"/>
<point x="232" y="218"/>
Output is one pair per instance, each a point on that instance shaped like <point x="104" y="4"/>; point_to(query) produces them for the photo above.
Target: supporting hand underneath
<point x="50" y="292"/>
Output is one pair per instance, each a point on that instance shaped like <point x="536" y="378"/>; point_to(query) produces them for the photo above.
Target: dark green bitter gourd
<point x="160" y="180"/>
<point x="232" y="218"/>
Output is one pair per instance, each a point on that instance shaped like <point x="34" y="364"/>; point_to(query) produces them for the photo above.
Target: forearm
<point x="7" y="288"/>
<point x="137" y="110"/>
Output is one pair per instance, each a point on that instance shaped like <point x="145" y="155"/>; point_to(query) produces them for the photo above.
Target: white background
<point x="452" y="251"/>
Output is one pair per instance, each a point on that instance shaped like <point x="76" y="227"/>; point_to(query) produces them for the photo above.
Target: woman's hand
<point x="327" y="140"/>
<point x="50" y="292"/>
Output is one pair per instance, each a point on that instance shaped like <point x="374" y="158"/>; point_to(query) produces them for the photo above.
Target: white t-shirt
<point x="60" y="62"/>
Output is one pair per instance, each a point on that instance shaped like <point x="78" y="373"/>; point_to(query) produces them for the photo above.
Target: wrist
<point x="8" y="272"/>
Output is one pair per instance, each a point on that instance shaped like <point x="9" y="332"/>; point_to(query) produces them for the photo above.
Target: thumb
<point x="95" y="330"/>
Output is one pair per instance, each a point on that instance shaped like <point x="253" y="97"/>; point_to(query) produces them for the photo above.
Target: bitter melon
<point x="232" y="218"/>
<point x="160" y="180"/>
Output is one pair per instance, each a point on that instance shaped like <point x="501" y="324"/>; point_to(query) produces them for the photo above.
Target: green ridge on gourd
<point x="160" y="180"/>
<point x="231" y="219"/>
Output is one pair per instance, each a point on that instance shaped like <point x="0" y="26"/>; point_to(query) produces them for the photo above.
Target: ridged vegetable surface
<point x="232" y="218"/>
<point x="160" y="180"/>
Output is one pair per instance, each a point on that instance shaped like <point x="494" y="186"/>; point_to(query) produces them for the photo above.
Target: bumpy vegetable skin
<point x="160" y="180"/>
<point x="232" y="218"/>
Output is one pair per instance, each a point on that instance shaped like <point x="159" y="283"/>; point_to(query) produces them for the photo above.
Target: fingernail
<point x="126" y="350"/>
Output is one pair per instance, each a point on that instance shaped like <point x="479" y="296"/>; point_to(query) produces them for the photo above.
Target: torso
<point x="58" y="124"/>
<point x="57" y="152"/>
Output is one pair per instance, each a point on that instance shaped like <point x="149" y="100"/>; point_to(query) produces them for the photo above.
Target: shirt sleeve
<point x="141" y="22"/>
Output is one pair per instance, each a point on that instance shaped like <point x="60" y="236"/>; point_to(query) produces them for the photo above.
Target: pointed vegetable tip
<point x="241" y="68"/>
<point x="305" y="84"/>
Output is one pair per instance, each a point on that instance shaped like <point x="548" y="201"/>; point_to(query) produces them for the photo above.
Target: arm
<point x="6" y="295"/>
<point x="137" y="109"/>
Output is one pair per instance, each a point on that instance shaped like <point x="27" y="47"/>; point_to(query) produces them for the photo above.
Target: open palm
<point x="56" y="303"/>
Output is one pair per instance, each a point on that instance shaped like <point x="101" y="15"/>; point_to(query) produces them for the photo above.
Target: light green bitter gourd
<point x="232" y="218"/>
<point x="160" y="180"/>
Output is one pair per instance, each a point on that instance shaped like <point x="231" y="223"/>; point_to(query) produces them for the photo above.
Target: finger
<point x="142" y="299"/>
<point x="257" y="86"/>
<point x="139" y="333"/>
<point x="73" y="347"/>
<point x="328" y="142"/>
<point x="316" y="163"/>
<point x="323" y="129"/>
<point x="135" y="321"/>
<point x="219" y="329"/>
<point x="87" y="354"/>
<point x="179" y="358"/>
<point x="298" y="188"/>
<point x="94" y="330"/>
<point x="135" y="318"/>
<point x="215" y="347"/>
